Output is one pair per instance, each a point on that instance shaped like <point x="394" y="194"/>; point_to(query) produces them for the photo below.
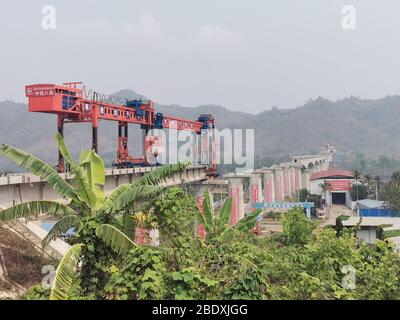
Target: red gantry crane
<point x="73" y="104"/>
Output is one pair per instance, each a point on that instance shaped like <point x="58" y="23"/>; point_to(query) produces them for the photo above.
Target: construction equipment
<point x="72" y="103"/>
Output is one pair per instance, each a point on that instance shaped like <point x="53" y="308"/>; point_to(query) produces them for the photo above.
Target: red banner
<point x="38" y="91"/>
<point x="235" y="206"/>
<point x="339" y="185"/>
<point x="254" y="194"/>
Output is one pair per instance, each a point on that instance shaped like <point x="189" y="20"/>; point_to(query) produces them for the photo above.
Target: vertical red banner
<point x="234" y="194"/>
<point x="254" y="195"/>
<point x="268" y="190"/>
<point x="200" y="228"/>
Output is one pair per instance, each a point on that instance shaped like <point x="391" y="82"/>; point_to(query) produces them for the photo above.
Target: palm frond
<point x="94" y="165"/>
<point x="158" y="175"/>
<point x="39" y="168"/>
<point x="128" y="224"/>
<point x="82" y="187"/>
<point x="63" y="149"/>
<point x="66" y="273"/>
<point x="225" y="213"/>
<point x="62" y="226"/>
<point x="35" y="208"/>
<point x="94" y="171"/>
<point x="123" y="196"/>
<point x="199" y="216"/>
<point x="89" y="174"/>
<point x="208" y="208"/>
<point x="248" y="222"/>
<point x="115" y="238"/>
<point x="201" y="220"/>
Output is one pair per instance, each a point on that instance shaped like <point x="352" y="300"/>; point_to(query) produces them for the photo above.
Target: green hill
<point x="360" y="129"/>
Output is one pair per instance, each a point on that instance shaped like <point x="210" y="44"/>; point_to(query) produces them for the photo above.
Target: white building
<point x="369" y="226"/>
<point x="338" y="182"/>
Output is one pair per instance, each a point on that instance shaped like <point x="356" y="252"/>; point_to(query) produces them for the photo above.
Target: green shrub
<point x="297" y="229"/>
<point x="339" y="223"/>
<point x="37" y="292"/>
<point x="380" y="231"/>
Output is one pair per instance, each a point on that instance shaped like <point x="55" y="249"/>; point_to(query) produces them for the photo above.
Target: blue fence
<point x="376" y="212"/>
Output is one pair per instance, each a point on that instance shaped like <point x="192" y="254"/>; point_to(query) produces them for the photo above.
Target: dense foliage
<point x="229" y="263"/>
<point x="300" y="265"/>
<point x="359" y="192"/>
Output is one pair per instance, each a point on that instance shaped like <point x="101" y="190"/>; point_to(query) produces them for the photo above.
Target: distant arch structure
<point x="277" y="183"/>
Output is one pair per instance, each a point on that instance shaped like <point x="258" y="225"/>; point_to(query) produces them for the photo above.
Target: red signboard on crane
<point x="40" y="90"/>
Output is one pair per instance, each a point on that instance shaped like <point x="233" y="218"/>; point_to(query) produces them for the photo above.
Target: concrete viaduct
<point x="273" y="184"/>
<point x="23" y="187"/>
<point x="278" y="183"/>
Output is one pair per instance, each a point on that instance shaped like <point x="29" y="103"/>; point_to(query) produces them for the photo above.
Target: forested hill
<point x="367" y="127"/>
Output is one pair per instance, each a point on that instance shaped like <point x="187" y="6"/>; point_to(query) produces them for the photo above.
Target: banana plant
<point x="66" y="273"/>
<point x="120" y="242"/>
<point x="218" y="224"/>
<point x="84" y="193"/>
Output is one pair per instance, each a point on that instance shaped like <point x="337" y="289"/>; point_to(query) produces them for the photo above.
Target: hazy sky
<point x="246" y="55"/>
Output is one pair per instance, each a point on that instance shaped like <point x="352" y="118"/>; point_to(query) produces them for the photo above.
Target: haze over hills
<point x="355" y="126"/>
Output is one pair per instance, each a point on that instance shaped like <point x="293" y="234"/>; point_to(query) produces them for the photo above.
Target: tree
<point x="85" y="193"/>
<point x="303" y="194"/>
<point x="218" y="224"/>
<point x="395" y="178"/>
<point x="356" y="176"/>
<point x="391" y="195"/>
<point x="297" y="229"/>
<point x="66" y="274"/>
<point x="88" y="206"/>
<point x="378" y="184"/>
<point x="368" y="180"/>
<point x="324" y="188"/>
<point x="358" y="192"/>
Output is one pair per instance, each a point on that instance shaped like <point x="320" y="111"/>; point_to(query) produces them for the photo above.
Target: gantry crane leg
<point x="60" y="125"/>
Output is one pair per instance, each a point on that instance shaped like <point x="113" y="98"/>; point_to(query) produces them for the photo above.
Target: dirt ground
<point x="20" y="264"/>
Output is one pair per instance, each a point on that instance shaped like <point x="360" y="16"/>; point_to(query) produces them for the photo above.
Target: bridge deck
<point x="22" y="178"/>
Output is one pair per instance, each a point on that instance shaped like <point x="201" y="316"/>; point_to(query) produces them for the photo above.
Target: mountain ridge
<point x="353" y="125"/>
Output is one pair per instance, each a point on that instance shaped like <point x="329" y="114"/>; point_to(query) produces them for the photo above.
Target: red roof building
<point x="332" y="174"/>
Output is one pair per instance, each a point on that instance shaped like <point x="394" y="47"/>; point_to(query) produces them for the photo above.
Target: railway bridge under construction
<point x="72" y="103"/>
<point x="273" y="184"/>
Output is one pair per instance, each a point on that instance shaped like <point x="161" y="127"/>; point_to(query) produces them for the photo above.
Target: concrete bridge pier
<point x="269" y="185"/>
<point x="279" y="192"/>
<point x="236" y="193"/>
<point x="305" y="178"/>
<point x="297" y="178"/>
<point x="256" y="193"/>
